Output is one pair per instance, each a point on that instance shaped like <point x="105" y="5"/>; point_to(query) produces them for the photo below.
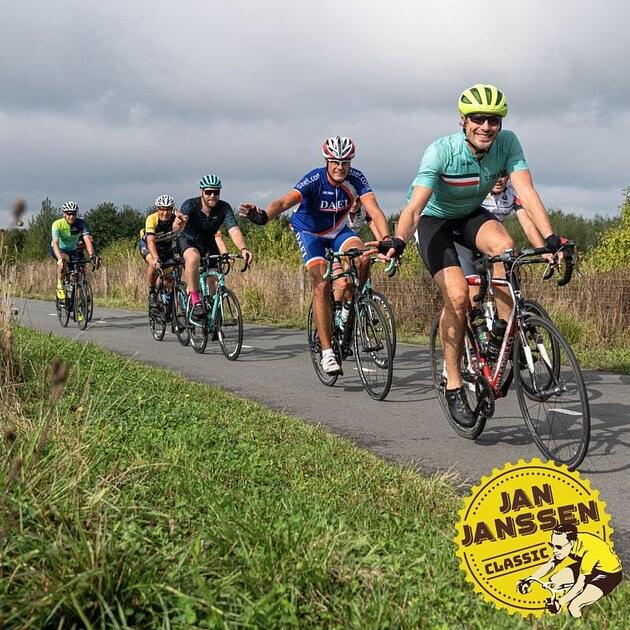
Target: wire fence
<point x="595" y="307"/>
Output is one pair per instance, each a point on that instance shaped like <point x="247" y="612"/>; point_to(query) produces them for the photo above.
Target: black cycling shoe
<point x="459" y="409"/>
<point x="198" y="311"/>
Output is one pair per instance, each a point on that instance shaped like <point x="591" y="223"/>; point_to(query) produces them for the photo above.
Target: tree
<point x="108" y="224"/>
<point x="613" y="248"/>
<point x="36" y="242"/>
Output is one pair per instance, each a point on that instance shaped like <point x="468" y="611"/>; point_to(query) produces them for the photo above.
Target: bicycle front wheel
<point x="383" y="303"/>
<point x="199" y="334"/>
<point x="63" y="312"/>
<point x="230" y="325"/>
<point x="81" y="308"/>
<point x="157" y="322"/>
<point x="315" y="349"/>
<point x="476" y="392"/>
<point x="373" y="349"/>
<point x="180" y="322"/>
<point x="551" y="392"/>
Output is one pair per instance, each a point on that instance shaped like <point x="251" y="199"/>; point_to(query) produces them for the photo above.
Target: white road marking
<point x="568" y="412"/>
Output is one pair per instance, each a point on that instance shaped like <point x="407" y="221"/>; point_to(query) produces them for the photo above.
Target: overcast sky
<point x="123" y="100"/>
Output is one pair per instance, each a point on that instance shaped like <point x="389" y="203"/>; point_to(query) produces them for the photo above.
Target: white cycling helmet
<point x="71" y="207"/>
<point x="338" y="148"/>
<point x="164" y="201"/>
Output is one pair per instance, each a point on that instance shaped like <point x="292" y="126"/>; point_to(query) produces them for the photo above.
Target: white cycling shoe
<point x="330" y="366"/>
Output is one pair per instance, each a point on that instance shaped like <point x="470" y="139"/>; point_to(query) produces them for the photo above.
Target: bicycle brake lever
<point x="392" y="268"/>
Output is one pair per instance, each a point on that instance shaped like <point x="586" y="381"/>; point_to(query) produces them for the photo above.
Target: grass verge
<point x="132" y="497"/>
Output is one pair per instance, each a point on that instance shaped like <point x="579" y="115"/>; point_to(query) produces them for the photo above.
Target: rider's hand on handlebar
<point x="555" y="242"/>
<point x="247" y="256"/>
<point x="253" y="213"/>
<point x="388" y="248"/>
<point x="157" y="264"/>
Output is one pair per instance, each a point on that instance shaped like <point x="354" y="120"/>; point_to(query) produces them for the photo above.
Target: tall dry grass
<point x="593" y="310"/>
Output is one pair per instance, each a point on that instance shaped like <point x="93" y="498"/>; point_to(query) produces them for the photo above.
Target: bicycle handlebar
<point x="527" y="256"/>
<point x="351" y="254"/>
<point x="227" y="259"/>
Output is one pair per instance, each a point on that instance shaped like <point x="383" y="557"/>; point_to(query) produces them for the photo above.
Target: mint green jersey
<point x="460" y="182"/>
<point x="69" y="235"/>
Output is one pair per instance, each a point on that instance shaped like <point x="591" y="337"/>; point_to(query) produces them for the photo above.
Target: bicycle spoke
<point x="551" y="392"/>
<point x="372" y="348"/>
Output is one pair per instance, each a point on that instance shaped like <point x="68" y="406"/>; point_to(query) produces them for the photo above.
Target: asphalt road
<point x="408" y="427"/>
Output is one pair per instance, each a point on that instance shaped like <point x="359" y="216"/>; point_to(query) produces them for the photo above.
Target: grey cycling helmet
<point x="164" y="201"/>
<point x="210" y="181"/>
<point x="70" y="207"/>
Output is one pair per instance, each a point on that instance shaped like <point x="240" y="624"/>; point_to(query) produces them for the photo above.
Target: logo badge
<point x="535" y="538"/>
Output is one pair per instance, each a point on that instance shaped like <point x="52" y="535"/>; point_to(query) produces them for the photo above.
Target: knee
<point x="457" y="302"/>
<point x="501" y="244"/>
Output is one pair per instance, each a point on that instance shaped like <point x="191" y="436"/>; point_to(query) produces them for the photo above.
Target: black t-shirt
<point x="201" y="228"/>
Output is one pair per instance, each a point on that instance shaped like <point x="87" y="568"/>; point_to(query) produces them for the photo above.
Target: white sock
<point x="329" y="352"/>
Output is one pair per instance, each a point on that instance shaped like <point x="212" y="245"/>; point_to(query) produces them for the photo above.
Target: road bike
<point x="78" y="302"/>
<point x="365" y="333"/>
<point x="222" y="319"/>
<point x="168" y="308"/>
<point x="549" y="383"/>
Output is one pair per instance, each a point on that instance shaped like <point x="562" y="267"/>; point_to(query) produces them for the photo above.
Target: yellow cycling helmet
<point x="483" y="99"/>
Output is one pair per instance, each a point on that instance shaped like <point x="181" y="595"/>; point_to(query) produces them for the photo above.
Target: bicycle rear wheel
<point x="90" y="299"/>
<point x="230" y="325"/>
<point x="180" y="322"/>
<point x="81" y="311"/>
<point x="477" y="391"/>
<point x="315" y="349"/>
<point x="386" y="308"/>
<point x="373" y="349"/>
<point x="551" y="392"/>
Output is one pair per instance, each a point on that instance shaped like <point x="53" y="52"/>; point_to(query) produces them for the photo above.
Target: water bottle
<point x="489" y="312"/>
<point x="480" y="327"/>
<point x="495" y="339"/>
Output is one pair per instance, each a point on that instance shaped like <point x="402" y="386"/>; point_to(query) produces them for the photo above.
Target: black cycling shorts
<point x="605" y="582"/>
<point x="436" y="238"/>
<point x="184" y="243"/>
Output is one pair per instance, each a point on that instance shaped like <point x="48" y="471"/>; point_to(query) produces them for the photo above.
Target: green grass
<point x="142" y="499"/>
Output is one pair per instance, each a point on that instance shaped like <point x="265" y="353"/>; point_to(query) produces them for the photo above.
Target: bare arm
<point x="410" y="216"/>
<point x="151" y="247"/>
<point x="89" y="244"/>
<point x="378" y="223"/>
<point x="531" y="231"/>
<point x="55" y="246"/>
<point x="237" y="236"/>
<point x="218" y="239"/>
<point x="275" y="208"/>
<point x="522" y="182"/>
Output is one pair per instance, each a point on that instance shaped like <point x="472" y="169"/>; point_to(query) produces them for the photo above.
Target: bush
<point x="613" y="248"/>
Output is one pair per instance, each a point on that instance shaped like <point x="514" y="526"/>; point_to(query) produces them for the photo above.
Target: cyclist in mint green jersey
<point x="444" y="206"/>
<point x="67" y="234"/>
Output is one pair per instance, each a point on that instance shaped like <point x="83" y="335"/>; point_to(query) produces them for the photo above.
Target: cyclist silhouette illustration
<point x="591" y="571"/>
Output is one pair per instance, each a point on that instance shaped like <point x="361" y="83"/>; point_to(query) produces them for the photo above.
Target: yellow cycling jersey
<point x="595" y="555"/>
<point x="154" y="226"/>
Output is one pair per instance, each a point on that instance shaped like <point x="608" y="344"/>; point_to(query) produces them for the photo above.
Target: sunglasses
<point x="209" y="192"/>
<point x="479" y="119"/>
<point x="71" y="214"/>
<point x="558" y="547"/>
<point x="339" y="162"/>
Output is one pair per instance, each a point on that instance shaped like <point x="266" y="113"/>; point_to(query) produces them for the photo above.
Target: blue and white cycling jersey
<point x="325" y="204"/>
